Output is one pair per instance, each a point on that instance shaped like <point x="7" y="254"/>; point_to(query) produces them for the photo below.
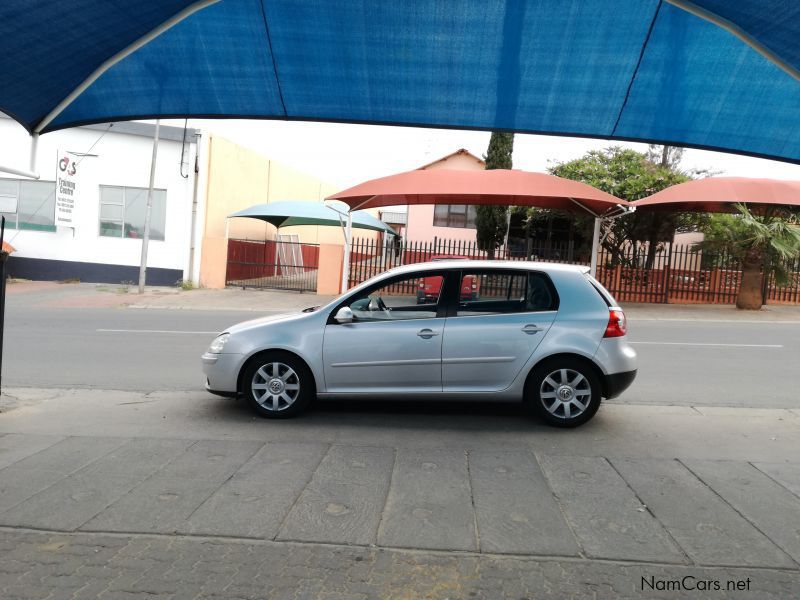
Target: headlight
<point x="219" y="343"/>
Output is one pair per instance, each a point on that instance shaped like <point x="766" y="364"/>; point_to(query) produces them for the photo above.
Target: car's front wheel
<point x="277" y="385"/>
<point x="564" y="392"/>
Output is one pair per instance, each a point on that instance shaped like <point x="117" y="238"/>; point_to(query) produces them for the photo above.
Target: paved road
<point x="110" y="348"/>
<point x="683" y="363"/>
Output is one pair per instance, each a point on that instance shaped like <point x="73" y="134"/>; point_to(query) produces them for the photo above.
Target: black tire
<point x="260" y="371"/>
<point x="562" y="410"/>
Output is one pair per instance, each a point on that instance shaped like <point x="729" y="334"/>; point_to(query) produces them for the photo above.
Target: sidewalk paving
<point x="52" y="565"/>
<point x="120" y="494"/>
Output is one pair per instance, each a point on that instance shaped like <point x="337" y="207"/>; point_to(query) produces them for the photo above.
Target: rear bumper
<point x="616" y="383"/>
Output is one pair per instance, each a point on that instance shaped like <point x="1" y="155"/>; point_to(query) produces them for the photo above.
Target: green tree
<point x="761" y="243"/>
<point x="631" y="175"/>
<point x="491" y="222"/>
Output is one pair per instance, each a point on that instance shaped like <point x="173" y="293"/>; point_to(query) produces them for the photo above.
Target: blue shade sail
<point x="642" y="70"/>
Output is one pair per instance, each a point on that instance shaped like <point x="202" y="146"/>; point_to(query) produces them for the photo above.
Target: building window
<point x="454" y="215"/>
<point x="122" y="212"/>
<point x="35" y="202"/>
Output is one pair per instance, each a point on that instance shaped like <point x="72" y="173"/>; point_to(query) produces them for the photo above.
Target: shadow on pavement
<point x="396" y="414"/>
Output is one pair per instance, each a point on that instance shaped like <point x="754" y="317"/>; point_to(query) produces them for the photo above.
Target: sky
<point x="344" y="155"/>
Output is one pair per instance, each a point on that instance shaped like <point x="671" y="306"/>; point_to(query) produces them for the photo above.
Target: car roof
<point x="488" y="264"/>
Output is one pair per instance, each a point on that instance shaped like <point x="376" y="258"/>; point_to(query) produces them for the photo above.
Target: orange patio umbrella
<point x="504" y="187"/>
<point x="721" y="194"/>
<point x="500" y="187"/>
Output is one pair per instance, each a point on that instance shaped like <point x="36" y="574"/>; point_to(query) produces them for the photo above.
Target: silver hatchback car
<point x="547" y="334"/>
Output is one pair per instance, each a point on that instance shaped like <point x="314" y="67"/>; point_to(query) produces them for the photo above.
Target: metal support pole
<point x="125" y="52"/>
<point x="228" y="234"/>
<point x="598" y="224"/>
<point x="508" y="228"/>
<point x="148" y="210"/>
<point x="193" y="232"/>
<point x="30" y="172"/>
<point x="34" y="149"/>
<point x="19" y="172"/>
<point x="348" y="240"/>
<point x="3" y="259"/>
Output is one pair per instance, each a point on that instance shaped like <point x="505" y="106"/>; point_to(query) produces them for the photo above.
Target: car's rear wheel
<point x="564" y="392"/>
<point x="278" y="385"/>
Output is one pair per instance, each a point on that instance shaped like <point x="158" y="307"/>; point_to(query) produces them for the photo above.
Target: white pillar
<point x="34" y="150"/>
<point x="348" y="240"/>
<point x="598" y="223"/>
<point x="147" y="211"/>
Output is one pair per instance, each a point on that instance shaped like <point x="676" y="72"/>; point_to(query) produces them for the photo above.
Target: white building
<point x="113" y="167"/>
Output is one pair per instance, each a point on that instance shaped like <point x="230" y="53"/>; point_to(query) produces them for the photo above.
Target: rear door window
<point x="488" y="292"/>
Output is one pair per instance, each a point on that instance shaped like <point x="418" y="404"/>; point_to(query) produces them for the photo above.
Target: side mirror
<point x="345" y="315"/>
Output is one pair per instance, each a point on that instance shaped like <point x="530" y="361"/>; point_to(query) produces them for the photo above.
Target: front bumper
<point x="222" y="372"/>
<point x="616" y="383"/>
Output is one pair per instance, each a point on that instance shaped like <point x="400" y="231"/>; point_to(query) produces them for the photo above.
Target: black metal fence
<point x="369" y="257"/>
<point x="680" y="274"/>
<point x="674" y="273"/>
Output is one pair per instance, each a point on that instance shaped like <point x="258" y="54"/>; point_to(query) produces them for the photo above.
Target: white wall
<point x="123" y="160"/>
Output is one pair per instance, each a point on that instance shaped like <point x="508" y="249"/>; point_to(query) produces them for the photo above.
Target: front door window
<point x="412" y="297"/>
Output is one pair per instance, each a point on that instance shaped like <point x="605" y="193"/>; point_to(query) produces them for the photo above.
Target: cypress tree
<point x="491" y="221"/>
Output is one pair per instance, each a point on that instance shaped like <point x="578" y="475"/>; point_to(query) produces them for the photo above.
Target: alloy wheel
<point x="565" y="393"/>
<point x="275" y="386"/>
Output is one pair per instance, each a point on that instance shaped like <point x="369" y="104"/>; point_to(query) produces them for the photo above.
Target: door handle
<point x="427" y="333"/>
<point x="530" y="329"/>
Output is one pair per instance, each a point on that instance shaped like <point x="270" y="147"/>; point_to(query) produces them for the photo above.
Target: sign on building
<point x="66" y="188"/>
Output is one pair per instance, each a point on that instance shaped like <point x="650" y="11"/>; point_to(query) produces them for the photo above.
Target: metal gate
<point x="282" y="264"/>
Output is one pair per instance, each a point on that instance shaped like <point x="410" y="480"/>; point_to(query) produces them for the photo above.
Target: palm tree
<point x="761" y="243"/>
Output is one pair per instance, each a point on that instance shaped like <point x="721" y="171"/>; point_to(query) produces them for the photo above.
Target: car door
<point x="492" y="332"/>
<point x="393" y="344"/>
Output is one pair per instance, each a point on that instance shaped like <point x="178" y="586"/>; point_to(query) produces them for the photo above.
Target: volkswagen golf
<point x="548" y="335"/>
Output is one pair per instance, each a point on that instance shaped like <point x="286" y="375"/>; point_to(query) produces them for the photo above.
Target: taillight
<point x="617" y="324"/>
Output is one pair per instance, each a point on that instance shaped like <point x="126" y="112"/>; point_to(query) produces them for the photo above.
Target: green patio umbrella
<point x="289" y="213"/>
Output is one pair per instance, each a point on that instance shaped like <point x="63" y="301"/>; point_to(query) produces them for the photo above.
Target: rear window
<point x="604" y="293"/>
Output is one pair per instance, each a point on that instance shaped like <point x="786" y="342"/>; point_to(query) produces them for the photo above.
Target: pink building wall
<point x="420" y="226"/>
